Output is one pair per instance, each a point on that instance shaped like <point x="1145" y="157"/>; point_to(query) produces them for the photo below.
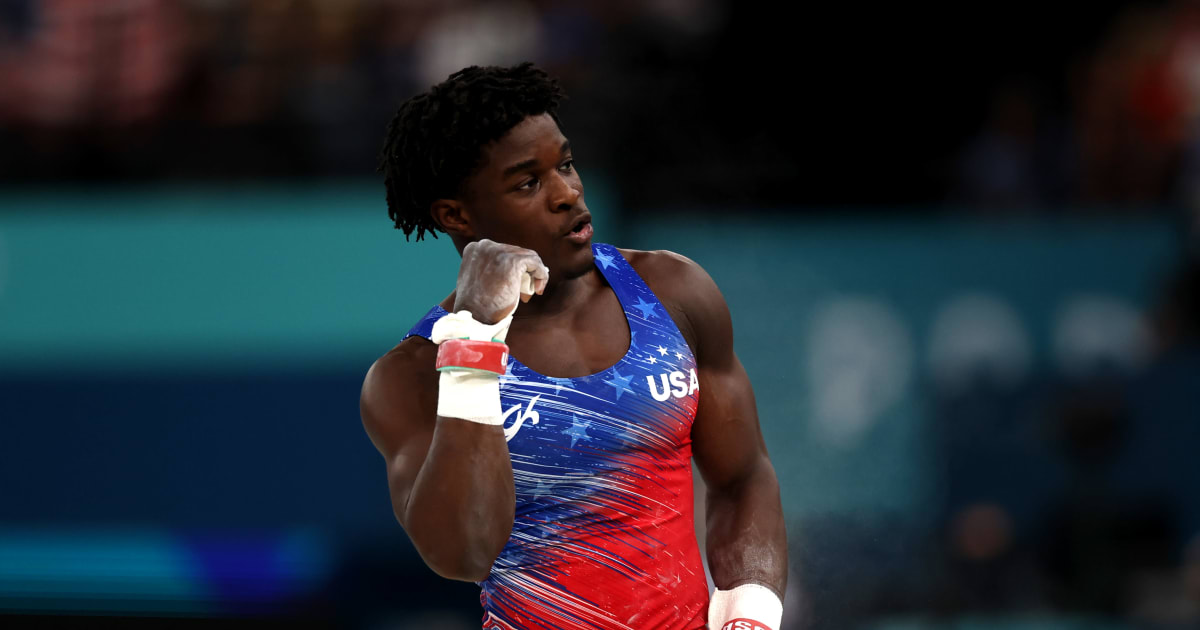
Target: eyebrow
<point x="525" y="164"/>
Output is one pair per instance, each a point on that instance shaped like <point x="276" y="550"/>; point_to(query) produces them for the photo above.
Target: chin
<point x="578" y="264"/>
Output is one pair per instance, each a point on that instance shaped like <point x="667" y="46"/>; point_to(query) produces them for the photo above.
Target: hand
<point x="493" y="276"/>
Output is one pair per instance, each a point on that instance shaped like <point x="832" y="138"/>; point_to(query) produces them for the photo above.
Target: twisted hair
<point x="436" y="139"/>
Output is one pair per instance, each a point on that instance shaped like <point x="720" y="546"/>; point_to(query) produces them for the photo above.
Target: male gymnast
<point x="539" y="423"/>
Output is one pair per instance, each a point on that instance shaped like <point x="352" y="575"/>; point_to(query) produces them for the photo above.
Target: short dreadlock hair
<point x="436" y="139"/>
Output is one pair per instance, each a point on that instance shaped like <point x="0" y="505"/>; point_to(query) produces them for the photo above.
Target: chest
<point x="641" y="399"/>
<point x="587" y="340"/>
<point x="589" y="425"/>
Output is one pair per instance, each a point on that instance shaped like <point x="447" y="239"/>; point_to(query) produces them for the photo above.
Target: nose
<point x="565" y="194"/>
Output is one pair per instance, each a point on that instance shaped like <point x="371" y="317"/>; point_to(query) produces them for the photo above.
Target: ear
<point x="452" y="217"/>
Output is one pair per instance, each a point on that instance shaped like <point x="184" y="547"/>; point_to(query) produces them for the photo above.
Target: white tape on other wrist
<point x="746" y="607"/>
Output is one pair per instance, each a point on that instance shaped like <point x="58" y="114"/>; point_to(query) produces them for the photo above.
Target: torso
<point x="598" y="426"/>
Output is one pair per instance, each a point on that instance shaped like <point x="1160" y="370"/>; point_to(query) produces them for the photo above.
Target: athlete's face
<point x="527" y="193"/>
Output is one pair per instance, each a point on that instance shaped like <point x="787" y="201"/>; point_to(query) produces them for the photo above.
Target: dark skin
<point x="451" y="480"/>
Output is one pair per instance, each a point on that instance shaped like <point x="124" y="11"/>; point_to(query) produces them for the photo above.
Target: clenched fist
<point x="493" y="276"/>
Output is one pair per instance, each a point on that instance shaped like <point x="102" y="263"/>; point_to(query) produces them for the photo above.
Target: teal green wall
<point x="780" y="274"/>
<point x="201" y="279"/>
<point x="313" y="277"/>
<point x="299" y="276"/>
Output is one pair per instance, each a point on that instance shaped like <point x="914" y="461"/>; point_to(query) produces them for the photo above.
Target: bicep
<point x="727" y="442"/>
<point x="398" y="406"/>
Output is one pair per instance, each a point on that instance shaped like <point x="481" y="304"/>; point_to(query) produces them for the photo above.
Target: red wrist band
<point x="744" y="624"/>
<point x="468" y="354"/>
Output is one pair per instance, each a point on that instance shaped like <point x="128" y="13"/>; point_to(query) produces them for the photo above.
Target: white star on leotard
<point x="662" y="351"/>
<point x="652" y="360"/>
<point x="542" y="488"/>
<point x="679" y="356"/>
<point x="620" y="383"/>
<point x="560" y="383"/>
<point x="647" y="308"/>
<point x="577" y="430"/>
<point x="606" y="261"/>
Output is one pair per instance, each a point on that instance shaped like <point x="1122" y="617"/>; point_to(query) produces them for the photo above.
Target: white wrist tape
<point x="473" y="396"/>
<point x="469" y="395"/>
<point x="462" y="325"/>
<point x="746" y="607"/>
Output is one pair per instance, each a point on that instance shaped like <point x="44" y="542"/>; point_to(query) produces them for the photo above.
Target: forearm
<point x="746" y="537"/>
<point x="459" y="512"/>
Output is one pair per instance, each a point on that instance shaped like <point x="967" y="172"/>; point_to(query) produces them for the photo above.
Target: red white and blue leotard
<point x="603" y="536"/>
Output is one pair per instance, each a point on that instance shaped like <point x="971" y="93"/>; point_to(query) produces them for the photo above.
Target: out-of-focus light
<point x="157" y="572"/>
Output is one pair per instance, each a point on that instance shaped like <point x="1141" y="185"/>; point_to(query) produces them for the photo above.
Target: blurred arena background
<point x="959" y="246"/>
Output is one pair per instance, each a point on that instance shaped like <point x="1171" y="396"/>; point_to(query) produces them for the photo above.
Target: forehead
<point x="531" y="136"/>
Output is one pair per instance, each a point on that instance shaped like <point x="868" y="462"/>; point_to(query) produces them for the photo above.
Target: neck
<point x="559" y="297"/>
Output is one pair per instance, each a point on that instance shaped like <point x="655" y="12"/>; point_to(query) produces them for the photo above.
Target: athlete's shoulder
<point x="397" y="387"/>
<point x="408" y="354"/>
<point x="689" y="294"/>
<point x="674" y="277"/>
<point x="410" y="358"/>
<point x="414" y="356"/>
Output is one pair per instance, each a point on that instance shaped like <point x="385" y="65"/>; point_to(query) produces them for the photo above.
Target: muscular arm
<point x="747" y="542"/>
<point x="746" y="539"/>
<point x="450" y="480"/>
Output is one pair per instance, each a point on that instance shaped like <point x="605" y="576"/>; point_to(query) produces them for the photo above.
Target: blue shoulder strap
<point x="424" y="328"/>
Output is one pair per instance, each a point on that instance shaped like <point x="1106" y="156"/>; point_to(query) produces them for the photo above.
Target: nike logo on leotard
<point x="529" y="414"/>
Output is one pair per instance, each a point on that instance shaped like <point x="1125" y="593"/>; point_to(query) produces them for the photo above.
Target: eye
<point x="528" y="184"/>
<point x="567" y="166"/>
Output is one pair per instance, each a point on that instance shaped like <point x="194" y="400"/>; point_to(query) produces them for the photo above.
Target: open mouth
<point x="581" y="230"/>
<point x="580" y="224"/>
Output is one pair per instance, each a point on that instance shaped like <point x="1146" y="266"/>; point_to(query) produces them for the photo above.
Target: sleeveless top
<point x="603" y="535"/>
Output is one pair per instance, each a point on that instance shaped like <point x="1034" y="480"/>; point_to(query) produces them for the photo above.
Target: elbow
<point x="457" y="541"/>
<point x="456" y="553"/>
<point x="462" y="563"/>
<point x="460" y="569"/>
